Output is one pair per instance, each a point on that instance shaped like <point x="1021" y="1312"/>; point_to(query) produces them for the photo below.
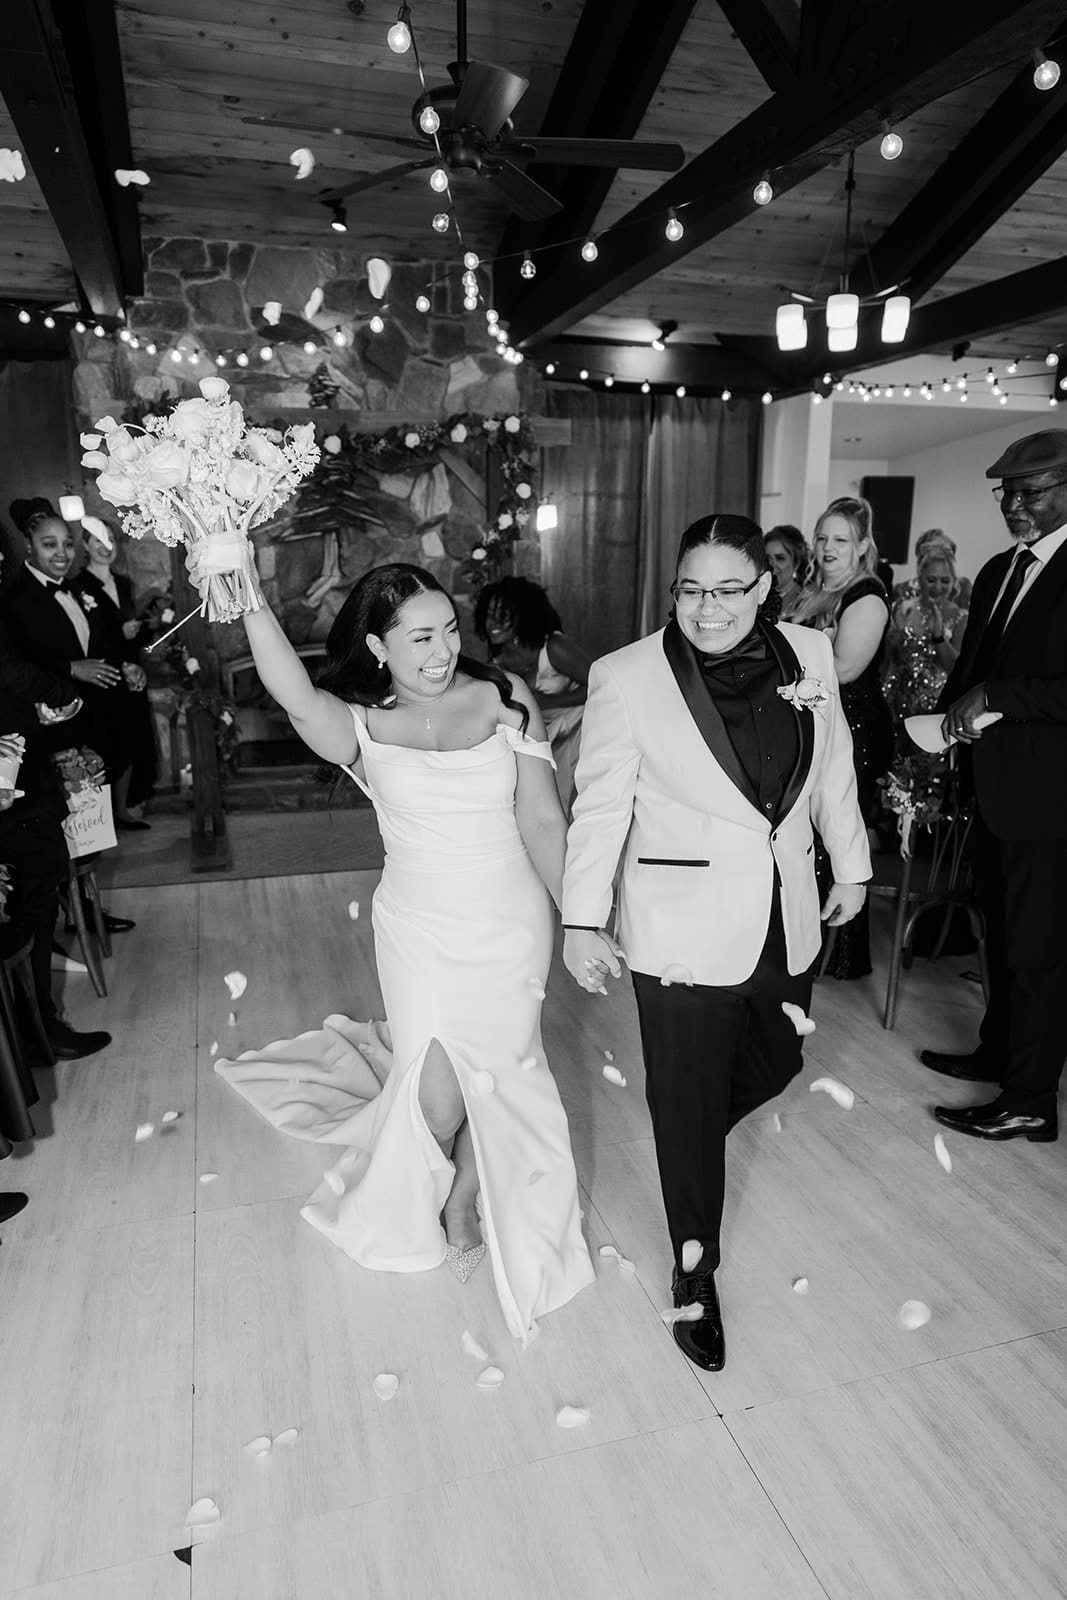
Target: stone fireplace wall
<point x="206" y="298"/>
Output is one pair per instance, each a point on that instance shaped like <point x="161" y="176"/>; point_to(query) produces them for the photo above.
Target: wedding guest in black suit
<point x="32" y="841"/>
<point x="108" y="596"/>
<point x="1013" y="661"/>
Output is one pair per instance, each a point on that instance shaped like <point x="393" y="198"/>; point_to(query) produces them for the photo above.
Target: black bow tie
<point x="751" y="648"/>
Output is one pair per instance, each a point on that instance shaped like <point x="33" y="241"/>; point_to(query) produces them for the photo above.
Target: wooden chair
<point x="18" y="1005"/>
<point x="945" y="889"/>
<point x="82" y="879"/>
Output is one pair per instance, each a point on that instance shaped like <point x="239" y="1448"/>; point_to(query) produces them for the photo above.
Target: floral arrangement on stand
<point x="183" y="678"/>
<point x="914" y="788"/>
<point x="201" y="476"/>
<point x="414" y="445"/>
<point x="81" y="772"/>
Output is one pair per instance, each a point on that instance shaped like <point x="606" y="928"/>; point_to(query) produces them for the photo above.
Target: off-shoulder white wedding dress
<point x="463" y="937"/>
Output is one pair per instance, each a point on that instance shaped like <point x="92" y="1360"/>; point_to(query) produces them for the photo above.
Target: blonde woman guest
<point x="924" y="635"/>
<point x="934" y="538"/>
<point x="848" y="602"/>
<point x="789" y="557"/>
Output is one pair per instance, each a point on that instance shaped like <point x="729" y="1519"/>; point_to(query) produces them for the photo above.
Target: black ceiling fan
<point x="476" y="135"/>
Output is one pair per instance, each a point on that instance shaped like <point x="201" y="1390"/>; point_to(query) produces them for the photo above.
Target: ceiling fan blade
<point x="527" y="198"/>
<point x="634" y="153"/>
<point x="376" y="137"/>
<point x="371" y="181"/>
<point x="487" y="97"/>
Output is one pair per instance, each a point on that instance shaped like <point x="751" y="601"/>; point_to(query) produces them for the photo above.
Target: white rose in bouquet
<point x="166" y="466"/>
<point x="117" y="487"/>
<point x="260" y="448"/>
<point x="190" y="419"/>
<point x="214" y="388"/>
<point x="243" y="481"/>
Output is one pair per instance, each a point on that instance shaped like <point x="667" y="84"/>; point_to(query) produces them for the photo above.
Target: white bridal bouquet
<point x="202" y="477"/>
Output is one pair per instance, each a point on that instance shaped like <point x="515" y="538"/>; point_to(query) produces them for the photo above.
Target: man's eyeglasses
<point x="1009" y="491"/>
<point x="691" y="594"/>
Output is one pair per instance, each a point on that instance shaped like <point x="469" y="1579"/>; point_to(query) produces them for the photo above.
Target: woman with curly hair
<point x="524" y="633"/>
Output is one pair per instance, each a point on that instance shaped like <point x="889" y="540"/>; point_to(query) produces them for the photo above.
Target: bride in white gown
<point x="453" y="1102"/>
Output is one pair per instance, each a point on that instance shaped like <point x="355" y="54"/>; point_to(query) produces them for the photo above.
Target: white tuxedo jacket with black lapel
<point x="659" y="782"/>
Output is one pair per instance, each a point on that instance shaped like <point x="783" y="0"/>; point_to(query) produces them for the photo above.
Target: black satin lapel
<point x="702" y="708"/>
<point x="791" y="670"/>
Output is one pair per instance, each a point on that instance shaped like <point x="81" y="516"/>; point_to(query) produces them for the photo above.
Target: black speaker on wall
<point x="890" y="501"/>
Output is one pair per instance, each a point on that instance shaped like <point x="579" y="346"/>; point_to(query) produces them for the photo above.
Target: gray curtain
<point x="702" y="456"/>
<point x="589" y="564"/>
<point x="39" y="449"/>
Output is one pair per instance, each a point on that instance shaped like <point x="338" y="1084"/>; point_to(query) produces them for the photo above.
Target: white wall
<point x="952" y="492"/>
<point x="845" y="478"/>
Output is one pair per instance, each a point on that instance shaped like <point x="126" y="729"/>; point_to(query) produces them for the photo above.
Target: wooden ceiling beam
<point x="42" y="79"/>
<point x="619" y="53"/>
<point x="1017" y="140"/>
<point x="770" y="32"/>
<point x="896" y="60"/>
<point x="701" y="368"/>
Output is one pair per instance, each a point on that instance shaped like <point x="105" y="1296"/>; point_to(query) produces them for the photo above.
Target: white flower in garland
<point x="523" y="491"/>
<point x="505" y="520"/>
<point x="412" y="440"/>
<point x="459" y="433"/>
<point x="512" y="424"/>
<point x="491" y="425"/>
<point x="332" y="445"/>
<point x="192" y="666"/>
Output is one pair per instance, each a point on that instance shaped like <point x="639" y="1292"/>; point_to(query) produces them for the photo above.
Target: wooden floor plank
<point x="944" y="1482"/>
<point x="675" y="1512"/>
<point x="163" y="1578"/>
<point x="95" y="1426"/>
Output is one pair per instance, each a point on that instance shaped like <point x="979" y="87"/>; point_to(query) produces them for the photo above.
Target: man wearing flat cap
<point x="1013" y="662"/>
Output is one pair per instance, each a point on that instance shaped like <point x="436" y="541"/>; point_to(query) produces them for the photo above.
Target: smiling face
<point x="50" y="548"/>
<point x="499" y="625"/>
<point x="421" y="647"/>
<point x="1034" y="505"/>
<point x="936" y="581"/>
<point x="837" y="551"/>
<point x="99" y="553"/>
<point x="715" y="625"/>
<point x="783" y="563"/>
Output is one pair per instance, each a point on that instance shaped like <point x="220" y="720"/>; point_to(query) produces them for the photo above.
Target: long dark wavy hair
<point x="525" y="604"/>
<point x="352" y="671"/>
<point x="735" y="533"/>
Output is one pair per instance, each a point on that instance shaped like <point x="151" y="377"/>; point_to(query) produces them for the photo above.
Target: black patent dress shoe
<point x="12" y="1204"/>
<point x="998" y="1122"/>
<point x="70" y="1045"/>
<point x="704" y="1341"/>
<point x="973" y="1068"/>
<point x="112" y="924"/>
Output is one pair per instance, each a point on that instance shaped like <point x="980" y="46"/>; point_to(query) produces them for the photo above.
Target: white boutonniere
<point x="88" y="603"/>
<point x="806" y="694"/>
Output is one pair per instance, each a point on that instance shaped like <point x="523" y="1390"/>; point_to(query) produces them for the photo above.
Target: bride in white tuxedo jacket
<point x="710" y="752"/>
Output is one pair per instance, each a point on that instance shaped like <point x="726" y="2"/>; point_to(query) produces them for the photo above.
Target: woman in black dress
<point x="109" y="596"/>
<point x="846" y="600"/>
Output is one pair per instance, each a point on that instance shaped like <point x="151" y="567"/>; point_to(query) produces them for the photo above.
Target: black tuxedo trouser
<point x="712" y="1055"/>
<point x="1021" y="887"/>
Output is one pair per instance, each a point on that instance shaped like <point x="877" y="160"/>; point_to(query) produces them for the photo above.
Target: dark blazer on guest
<point x="1020" y="763"/>
<point x="107" y="618"/>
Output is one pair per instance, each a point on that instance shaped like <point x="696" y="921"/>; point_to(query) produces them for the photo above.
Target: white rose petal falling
<point x="124" y="177"/>
<point x="313" y="303"/>
<point x="170" y="1116"/>
<point x="303" y="161"/>
<point x="386" y="1385"/>
<point x="840" y="1093"/>
<point x="143" y="1131"/>
<point x="237" y="983"/>
<point x="260" y="1446"/>
<point x="287" y="1436"/>
<point x="12" y="166"/>
<point x="692" y="1251"/>
<point x="799" y="1018"/>
<point x="491" y="1378"/>
<point x="800" y="1285"/>
<point x="613" y="1075"/>
<point x="609" y="1252"/>
<point x="572" y="1416"/>
<point x="272" y="312"/>
<point x="472" y="1347"/>
<point x="528" y="1063"/>
<point x="913" y="1314"/>
<point x="690" y="1313"/>
<point x="353" y="910"/>
<point x="676" y="974"/>
<point x="175" y="479"/>
<point x="941" y="1152"/>
<point x="208" y="1177"/>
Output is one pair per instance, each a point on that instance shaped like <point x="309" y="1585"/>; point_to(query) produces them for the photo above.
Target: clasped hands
<point x="589" y="958"/>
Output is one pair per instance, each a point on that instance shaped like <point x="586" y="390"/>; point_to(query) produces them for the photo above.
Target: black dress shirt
<point x="761" y="726"/>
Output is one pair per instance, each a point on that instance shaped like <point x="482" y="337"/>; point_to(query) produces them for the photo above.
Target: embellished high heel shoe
<point x="463" y="1262"/>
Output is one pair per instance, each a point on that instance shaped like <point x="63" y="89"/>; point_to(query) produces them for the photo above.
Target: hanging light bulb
<point x="876" y="392"/>
<point x="906" y="391"/>
<point x="866" y="396"/>
<point x="1052" y="359"/>
<point x="338" y="338"/>
<point x="892" y="144"/>
<point x="150" y="349"/>
<point x="339" y="221"/>
<point x="896" y="313"/>
<point x="791" y="330"/>
<point x="528" y="269"/>
<point x="996" y="390"/>
<point x="963" y="396"/>
<point x="550" y="369"/>
<point x="79" y="326"/>
<point x="843" y="310"/>
<point x="310" y="347"/>
<point x="590" y="249"/>
<point x="646" y="387"/>
<point x="841" y="339"/>
<point x="470" y="302"/>
<point x="766" y="397"/>
<point x="471" y="260"/>
<point x="1002" y="397"/>
<point x="99" y="331"/>
<point x="124" y="333"/>
<point x="470" y="282"/>
<point x="24" y="315"/>
<point x="1052" y="400"/>
<point x="438" y="180"/>
<point x="680" y="391"/>
<point x="816" y="398"/>
<point x="674" y="229"/>
<point x="176" y="357"/>
<point x="658" y="344"/>
<point x="727" y="395"/>
<point x="194" y="359"/>
<point x="547" y="519"/>
<point x="491" y="316"/>
<point x="889" y="391"/>
<point x="1046" y="72"/>
<point x="50" y="322"/>
<point x="961" y="383"/>
<point x="440" y="222"/>
<point x="422" y="303"/>
<point x="584" y="375"/>
<point x="376" y="324"/>
<point x="242" y="358"/>
<point x="1012" y="368"/>
<point x="946" y="387"/>
<point x="135" y="344"/>
<point x="609" y="381"/>
<point x="266" y="353"/>
<point x="399" y="36"/>
<point x="429" y="121"/>
<point x="763" y="194"/>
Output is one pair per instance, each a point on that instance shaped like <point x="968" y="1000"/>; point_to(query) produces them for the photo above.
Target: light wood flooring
<point x="152" y="1325"/>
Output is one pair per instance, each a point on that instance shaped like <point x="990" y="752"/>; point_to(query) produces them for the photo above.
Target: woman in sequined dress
<point x="924" y="638"/>
<point x="846" y="600"/>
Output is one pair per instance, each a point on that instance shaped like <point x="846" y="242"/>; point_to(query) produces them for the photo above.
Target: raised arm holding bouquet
<point x="202" y="477"/>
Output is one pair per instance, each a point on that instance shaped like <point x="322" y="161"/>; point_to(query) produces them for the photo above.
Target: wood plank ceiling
<point x="194" y="69"/>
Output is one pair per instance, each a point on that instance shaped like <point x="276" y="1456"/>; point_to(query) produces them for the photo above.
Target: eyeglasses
<point x="690" y="594"/>
<point x="1029" y="497"/>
